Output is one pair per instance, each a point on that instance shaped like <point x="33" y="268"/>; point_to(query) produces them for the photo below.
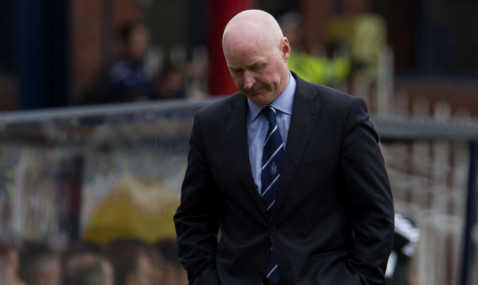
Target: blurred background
<point x="97" y="99"/>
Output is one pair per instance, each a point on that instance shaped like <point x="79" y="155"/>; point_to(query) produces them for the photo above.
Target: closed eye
<point x="257" y="67"/>
<point x="236" y="70"/>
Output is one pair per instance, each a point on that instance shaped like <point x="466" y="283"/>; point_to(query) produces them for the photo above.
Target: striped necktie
<point x="271" y="167"/>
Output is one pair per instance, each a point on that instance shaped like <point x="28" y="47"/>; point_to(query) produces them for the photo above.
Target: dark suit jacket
<point x="333" y="219"/>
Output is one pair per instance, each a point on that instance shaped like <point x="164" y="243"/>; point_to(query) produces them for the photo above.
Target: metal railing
<point x="418" y="138"/>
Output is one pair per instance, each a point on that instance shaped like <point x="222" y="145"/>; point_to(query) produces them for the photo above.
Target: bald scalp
<point x="253" y="26"/>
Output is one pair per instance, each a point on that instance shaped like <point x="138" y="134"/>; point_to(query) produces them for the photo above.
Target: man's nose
<point x="249" y="79"/>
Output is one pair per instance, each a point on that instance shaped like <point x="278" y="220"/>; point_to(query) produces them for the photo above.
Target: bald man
<point x="317" y="209"/>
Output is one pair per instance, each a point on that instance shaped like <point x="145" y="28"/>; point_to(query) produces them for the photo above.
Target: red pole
<point x="221" y="11"/>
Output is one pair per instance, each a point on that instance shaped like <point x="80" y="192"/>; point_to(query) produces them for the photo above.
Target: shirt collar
<point x="282" y="103"/>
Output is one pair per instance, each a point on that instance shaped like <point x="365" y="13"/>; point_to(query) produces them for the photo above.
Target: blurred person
<point x="306" y="66"/>
<point x="181" y="82"/>
<point x="9" y="264"/>
<point x="79" y="252"/>
<point x="290" y="172"/>
<point x="127" y="79"/>
<point x="196" y="75"/>
<point x="170" y="83"/>
<point x="326" y="68"/>
<point x="134" y="262"/>
<point x="99" y="272"/>
<point x="84" y="258"/>
<point x="173" y="273"/>
<point x="39" y="264"/>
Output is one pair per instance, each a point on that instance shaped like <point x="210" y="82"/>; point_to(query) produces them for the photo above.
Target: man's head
<point x="134" y="262"/>
<point x="85" y="263"/>
<point x="98" y="272"/>
<point x="135" y="38"/>
<point x="256" y="53"/>
<point x="39" y="264"/>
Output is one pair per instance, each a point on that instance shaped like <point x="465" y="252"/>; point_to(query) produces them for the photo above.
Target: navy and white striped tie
<point x="271" y="167"/>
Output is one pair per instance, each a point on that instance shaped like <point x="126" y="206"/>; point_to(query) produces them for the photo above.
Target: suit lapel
<point x="305" y="112"/>
<point x="236" y="133"/>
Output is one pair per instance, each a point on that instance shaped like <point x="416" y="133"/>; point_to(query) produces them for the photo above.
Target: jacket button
<point x="259" y="272"/>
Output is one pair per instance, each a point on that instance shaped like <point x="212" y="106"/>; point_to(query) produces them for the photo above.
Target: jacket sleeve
<point x="369" y="196"/>
<point x="196" y="219"/>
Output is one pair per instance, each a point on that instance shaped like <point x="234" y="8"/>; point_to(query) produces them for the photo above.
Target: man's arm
<point x="196" y="218"/>
<point x="369" y="196"/>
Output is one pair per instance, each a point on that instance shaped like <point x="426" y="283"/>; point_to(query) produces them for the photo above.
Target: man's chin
<point x="259" y="99"/>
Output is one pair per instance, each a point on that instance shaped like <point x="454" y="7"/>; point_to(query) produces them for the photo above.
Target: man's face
<point x="50" y="275"/>
<point x="146" y="274"/>
<point x="259" y="70"/>
<point x="109" y="272"/>
<point x="138" y="43"/>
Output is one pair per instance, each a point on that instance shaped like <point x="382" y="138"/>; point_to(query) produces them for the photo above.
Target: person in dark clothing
<point x="289" y="172"/>
<point x="127" y="79"/>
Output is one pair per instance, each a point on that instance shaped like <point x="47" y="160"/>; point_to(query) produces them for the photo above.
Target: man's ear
<point x="285" y="48"/>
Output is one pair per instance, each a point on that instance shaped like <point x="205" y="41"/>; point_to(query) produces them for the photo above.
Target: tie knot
<point x="270" y="114"/>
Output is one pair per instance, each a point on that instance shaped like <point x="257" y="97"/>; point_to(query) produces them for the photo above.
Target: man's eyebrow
<point x="257" y="64"/>
<point x="250" y="66"/>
